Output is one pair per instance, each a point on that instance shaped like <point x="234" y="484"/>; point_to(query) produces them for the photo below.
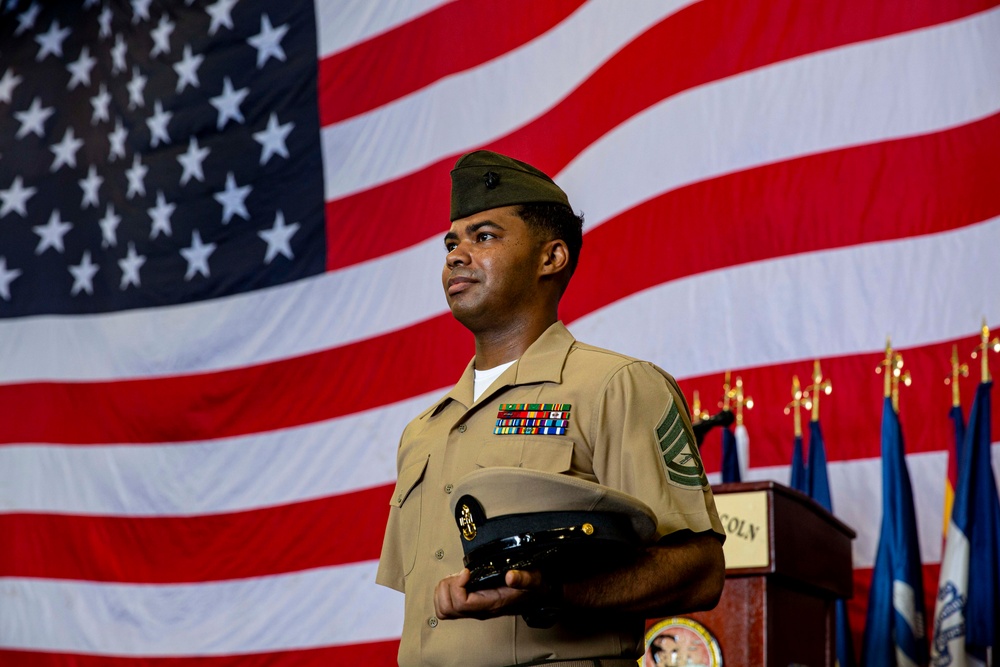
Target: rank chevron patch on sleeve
<point x="681" y="460"/>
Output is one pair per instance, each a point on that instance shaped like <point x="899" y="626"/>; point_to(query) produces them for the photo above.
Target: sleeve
<point x="645" y="447"/>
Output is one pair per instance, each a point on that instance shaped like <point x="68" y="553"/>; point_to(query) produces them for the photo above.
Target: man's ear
<point x="555" y="257"/>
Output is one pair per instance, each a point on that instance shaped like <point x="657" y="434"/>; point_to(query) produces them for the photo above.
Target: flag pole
<point x="742" y="400"/>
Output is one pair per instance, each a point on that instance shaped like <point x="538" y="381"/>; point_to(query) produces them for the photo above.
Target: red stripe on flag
<point x="372" y="654"/>
<point x="341" y="529"/>
<point x="429" y="48"/>
<point x="711" y="39"/>
<point x="844" y="197"/>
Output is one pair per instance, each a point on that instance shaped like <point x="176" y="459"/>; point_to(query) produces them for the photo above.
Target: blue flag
<point x="798" y="481"/>
<point x="730" y="458"/>
<point x="818" y="481"/>
<point x="895" y="629"/>
<point x="967" y="617"/>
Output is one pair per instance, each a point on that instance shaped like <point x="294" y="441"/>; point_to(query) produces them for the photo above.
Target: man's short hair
<point x="555" y="221"/>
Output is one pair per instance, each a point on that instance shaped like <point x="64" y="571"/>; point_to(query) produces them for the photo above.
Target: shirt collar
<point x="543" y="361"/>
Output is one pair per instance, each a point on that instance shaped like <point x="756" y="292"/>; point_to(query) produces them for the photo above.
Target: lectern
<point x="787" y="560"/>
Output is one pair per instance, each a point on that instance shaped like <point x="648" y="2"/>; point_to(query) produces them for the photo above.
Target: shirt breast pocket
<point x="406" y="498"/>
<point x="546" y="453"/>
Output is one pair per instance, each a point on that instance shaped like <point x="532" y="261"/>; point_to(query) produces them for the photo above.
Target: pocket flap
<point x="545" y="453"/>
<point x="407" y="481"/>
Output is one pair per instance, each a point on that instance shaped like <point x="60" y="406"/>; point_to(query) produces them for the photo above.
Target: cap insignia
<point x="532" y="419"/>
<point x="467" y="524"/>
<point x="491" y="179"/>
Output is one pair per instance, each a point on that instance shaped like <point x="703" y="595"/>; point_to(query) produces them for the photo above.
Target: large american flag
<point x="220" y="244"/>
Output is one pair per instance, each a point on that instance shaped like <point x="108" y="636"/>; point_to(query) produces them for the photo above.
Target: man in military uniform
<point x="534" y="397"/>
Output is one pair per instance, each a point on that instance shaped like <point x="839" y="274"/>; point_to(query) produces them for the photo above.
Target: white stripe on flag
<point x="816" y="103"/>
<point x="344" y="23"/>
<point x="322" y="607"/>
<point x="380" y="145"/>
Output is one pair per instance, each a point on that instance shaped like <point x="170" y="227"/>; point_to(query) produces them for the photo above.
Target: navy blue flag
<point x="798" y="481"/>
<point x="177" y="164"/>
<point x="817" y="478"/>
<point x="895" y="630"/>
<point x="819" y="490"/>
<point x="730" y="458"/>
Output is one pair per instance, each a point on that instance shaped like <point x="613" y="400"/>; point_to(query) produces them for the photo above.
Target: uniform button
<point x="432" y="621"/>
<point x="439" y="554"/>
<point x="399" y="498"/>
<point x="462" y="428"/>
<point x="448" y="488"/>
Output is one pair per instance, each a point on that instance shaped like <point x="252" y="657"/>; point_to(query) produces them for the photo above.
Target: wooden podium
<point x="787" y="560"/>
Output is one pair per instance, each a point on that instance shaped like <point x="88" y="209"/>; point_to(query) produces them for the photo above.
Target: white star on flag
<point x="157" y="124"/>
<point x="33" y="120"/>
<point x="228" y="103"/>
<point x="7" y="276"/>
<point x="191" y="161"/>
<point x="104" y="20"/>
<point x="278" y="238"/>
<point x="140" y="10"/>
<point x="136" y="175"/>
<point x="50" y="42"/>
<point x="197" y="256"/>
<point x="221" y="13"/>
<point x="130" y="265"/>
<point x="116" y="141"/>
<point x="83" y="275"/>
<point x="100" y="102"/>
<point x="15" y="198"/>
<point x="7" y="85"/>
<point x="268" y="41"/>
<point x="109" y="227"/>
<point x="272" y="139"/>
<point x="51" y="234"/>
<point x="90" y="186"/>
<point x="26" y="20"/>
<point x="233" y="199"/>
<point x="65" y="150"/>
<point x="118" y="64"/>
<point x="161" y="36"/>
<point x="80" y="69"/>
<point x="187" y="69"/>
<point x="135" y="87"/>
<point x="160" y="215"/>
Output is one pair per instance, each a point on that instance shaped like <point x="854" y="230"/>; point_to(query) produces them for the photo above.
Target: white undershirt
<point x="485" y="378"/>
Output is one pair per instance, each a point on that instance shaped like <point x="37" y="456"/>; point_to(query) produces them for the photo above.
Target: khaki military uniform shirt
<point x="628" y="429"/>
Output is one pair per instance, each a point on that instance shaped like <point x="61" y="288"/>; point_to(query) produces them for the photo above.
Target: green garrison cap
<point x="517" y="518"/>
<point x="482" y="180"/>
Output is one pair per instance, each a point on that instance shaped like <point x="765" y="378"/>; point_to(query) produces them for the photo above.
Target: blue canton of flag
<point x="967" y="613"/>
<point x="895" y="628"/>
<point x="153" y="154"/>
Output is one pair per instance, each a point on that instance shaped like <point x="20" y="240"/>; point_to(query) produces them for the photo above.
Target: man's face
<point x="491" y="271"/>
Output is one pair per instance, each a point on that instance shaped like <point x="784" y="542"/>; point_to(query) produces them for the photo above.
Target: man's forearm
<point x="665" y="580"/>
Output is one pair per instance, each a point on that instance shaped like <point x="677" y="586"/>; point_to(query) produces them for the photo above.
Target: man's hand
<point x="452" y="600"/>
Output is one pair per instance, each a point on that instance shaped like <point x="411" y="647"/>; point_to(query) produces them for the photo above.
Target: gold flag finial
<point x="819" y="386"/>
<point x="892" y="366"/>
<point x="957" y="370"/>
<point x="696" y="411"/>
<point x="727" y="392"/>
<point x="742" y="400"/>
<point x="984" y="349"/>
<point x="793" y="408"/>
